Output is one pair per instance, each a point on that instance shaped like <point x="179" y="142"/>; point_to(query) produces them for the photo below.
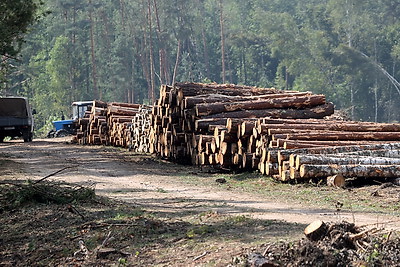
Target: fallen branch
<point x="52" y="174"/>
<point x="200" y="256"/>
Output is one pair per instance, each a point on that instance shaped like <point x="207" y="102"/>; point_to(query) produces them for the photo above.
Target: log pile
<point x="284" y="134"/>
<point x="92" y="128"/>
<point x="304" y="149"/>
<point x="115" y="124"/>
<point x="139" y="131"/>
<point x="119" y="118"/>
<point x="212" y="124"/>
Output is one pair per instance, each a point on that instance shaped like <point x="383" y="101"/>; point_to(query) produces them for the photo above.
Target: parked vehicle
<point x="16" y="118"/>
<point x="66" y="127"/>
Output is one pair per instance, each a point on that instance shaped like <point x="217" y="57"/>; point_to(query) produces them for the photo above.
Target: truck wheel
<point x="27" y="136"/>
<point x="62" y="133"/>
<point x="51" y="134"/>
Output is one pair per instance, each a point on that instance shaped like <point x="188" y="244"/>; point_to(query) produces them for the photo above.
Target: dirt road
<point x="157" y="185"/>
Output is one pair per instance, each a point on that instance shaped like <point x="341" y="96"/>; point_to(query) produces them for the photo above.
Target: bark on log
<point x="336" y="181"/>
<point x="367" y="171"/>
<point x="314" y="112"/>
<point x="294" y="144"/>
<point x="333" y="126"/>
<point x="316" y="230"/>
<point x="283" y="102"/>
<point x="192" y="101"/>
<point x="325" y="160"/>
<point x="341" y="136"/>
<point x="284" y="154"/>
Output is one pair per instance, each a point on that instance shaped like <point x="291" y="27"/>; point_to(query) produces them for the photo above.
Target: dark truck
<point x="15" y="118"/>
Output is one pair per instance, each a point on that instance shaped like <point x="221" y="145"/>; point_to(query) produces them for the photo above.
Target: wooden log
<point x="336" y="181"/>
<point x="339" y="159"/>
<point x="283" y="102"/>
<point x="366" y="171"/>
<point x="192" y="101"/>
<point x="314" y="112"/>
<point x="284" y="154"/>
<point x="294" y="144"/>
<point x="202" y="125"/>
<point x="341" y="136"/>
<point x="332" y="126"/>
<point x="233" y="124"/>
<point x="246" y="129"/>
<point x="126" y="105"/>
<point x="316" y="230"/>
<point x="271" y="168"/>
<point x="192" y="89"/>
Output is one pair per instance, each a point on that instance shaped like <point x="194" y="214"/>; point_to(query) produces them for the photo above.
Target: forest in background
<point x="124" y="50"/>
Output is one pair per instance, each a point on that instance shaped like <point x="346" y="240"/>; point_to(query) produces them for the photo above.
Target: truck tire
<point x="27" y="136"/>
<point x="62" y="133"/>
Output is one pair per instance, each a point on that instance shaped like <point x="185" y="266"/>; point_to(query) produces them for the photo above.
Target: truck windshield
<point x="13" y="107"/>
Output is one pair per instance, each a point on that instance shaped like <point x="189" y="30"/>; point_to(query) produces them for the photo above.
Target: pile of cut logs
<point x="92" y="128"/>
<point x="111" y="124"/>
<point x="191" y="125"/>
<point x="286" y="134"/>
<point x="139" y="130"/>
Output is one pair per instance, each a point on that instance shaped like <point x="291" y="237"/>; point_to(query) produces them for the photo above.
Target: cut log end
<point x="316" y="230"/>
<point x="337" y="180"/>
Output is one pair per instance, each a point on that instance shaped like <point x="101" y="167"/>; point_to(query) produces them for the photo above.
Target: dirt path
<point x="158" y="186"/>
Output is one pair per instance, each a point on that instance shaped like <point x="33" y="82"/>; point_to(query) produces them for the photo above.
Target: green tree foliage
<point x="123" y="50"/>
<point x="15" y="18"/>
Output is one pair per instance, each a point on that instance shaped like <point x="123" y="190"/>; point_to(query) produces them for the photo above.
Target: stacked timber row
<point x="304" y="149"/>
<point x="119" y="118"/>
<point x="92" y="128"/>
<point x="139" y="131"/>
<point x="108" y="124"/>
<point x="211" y="124"/>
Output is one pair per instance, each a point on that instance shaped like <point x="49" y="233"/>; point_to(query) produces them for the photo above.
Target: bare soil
<point x="151" y="212"/>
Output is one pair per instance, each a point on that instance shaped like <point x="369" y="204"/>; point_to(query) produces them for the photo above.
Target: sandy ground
<point x="156" y="185"/>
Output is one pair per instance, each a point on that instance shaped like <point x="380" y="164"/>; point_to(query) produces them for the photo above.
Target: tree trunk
<point x="192" y="101"/>
<point x="333" y="126"/>
<point x="340" y="136"/>
<point x="96" y="93"/>
<point x="283" y="102"/>
<point x="314" y="112"/>
<point x="222" y="34"/>
<point x="366" y="171"/>
<point x="327" y="160"/>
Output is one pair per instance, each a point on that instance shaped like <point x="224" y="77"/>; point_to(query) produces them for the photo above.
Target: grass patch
<point x="357" y="199"/>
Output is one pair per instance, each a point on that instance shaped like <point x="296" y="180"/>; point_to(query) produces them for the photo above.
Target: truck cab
<point x="16" y="118"/>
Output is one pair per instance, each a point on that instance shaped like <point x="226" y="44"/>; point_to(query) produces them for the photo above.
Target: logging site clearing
<point x="122" y="208"/>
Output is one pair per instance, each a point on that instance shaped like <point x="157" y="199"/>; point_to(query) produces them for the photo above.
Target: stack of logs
<point x="111" y="124"/>
<point x="190" y="120"/>
<point x="139" y="130"/>
<point x="280" y="133"/>
<point x="303" y="149"/>
<point x="92" y="128"/>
